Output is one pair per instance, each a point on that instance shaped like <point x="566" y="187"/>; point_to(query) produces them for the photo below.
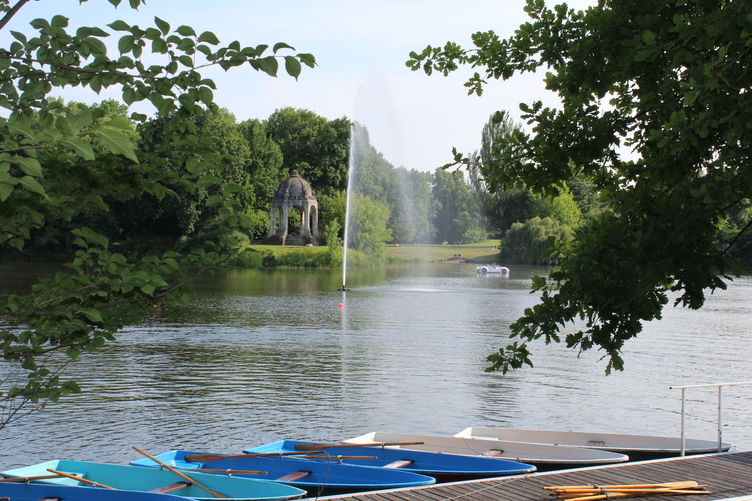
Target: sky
<point x="360" y="47"/>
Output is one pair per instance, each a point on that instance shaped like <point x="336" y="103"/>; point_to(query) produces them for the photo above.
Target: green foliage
<point x="368" y="224"/>
<point x="535" y="241"/>
<point x="666" y="80"/>
<point x="334" y="242"/>
<point x="457" y="217"/>
<point x="561" y="207"/>
<point x="65" y="165"/>
<point x="314" y="146"/>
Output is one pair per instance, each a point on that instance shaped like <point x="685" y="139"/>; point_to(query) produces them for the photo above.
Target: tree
<point x="58" y="163"/>
<point x="561" y="207"/>
<point x="369" y="232"/>
<point x="668" y="82"/>
<point x="535" y="241"/>
<point x="314" y="146"/>
<point x="456" y="216"/>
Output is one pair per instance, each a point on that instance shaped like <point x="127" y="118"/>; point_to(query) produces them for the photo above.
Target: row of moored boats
<point x="290" y="469"/>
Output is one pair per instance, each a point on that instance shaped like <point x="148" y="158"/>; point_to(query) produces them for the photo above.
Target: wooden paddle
<point x="681" y="485"/>
<point x="181" y="475"/>
<point x="80" y="479"/>
<point x="203" y="458"/>
<point x="316" y="447"/>
<point x="225" y="471"/>
<point x="28" y="479"/>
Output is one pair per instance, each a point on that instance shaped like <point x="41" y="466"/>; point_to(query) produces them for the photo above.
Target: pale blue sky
<point x="361" y="49"/>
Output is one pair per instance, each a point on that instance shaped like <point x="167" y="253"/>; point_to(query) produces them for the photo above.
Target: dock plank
<point x="725" y="475"/>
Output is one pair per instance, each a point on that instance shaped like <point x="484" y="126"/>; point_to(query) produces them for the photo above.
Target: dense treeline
<point x="390" y="205"/>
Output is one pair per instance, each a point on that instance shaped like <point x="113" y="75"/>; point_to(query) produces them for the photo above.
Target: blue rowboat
<point x="443" y="467"/>
<point x="316" y="477"/>
<point x="160" y="481"/>
<point x="37" y="492"/>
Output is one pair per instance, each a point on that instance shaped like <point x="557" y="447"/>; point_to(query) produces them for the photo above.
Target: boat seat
<point x="170" y="487"/>
<point x="398" y="464"/>
<point x="492" y="453"/>
<point x="293" y="476"/>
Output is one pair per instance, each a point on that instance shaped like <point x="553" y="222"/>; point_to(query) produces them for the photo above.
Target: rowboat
<point x="542" y="456"/>
<point x="201" y="485"/>
<point x="316" y="477"/>
<point x="442" y="467"/>
<point x="636" y="446"/>
<point x="36" y="492"/>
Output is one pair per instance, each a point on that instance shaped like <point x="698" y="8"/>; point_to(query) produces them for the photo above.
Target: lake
<point x="259" y="356"/>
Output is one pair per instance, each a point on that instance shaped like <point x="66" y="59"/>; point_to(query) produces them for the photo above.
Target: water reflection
<point x="259" y="356"/>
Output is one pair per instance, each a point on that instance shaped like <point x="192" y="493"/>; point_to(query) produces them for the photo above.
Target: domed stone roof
<point x="294" y="188"/>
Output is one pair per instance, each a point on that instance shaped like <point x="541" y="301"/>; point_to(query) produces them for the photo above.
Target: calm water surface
<point x="261" y="356"/>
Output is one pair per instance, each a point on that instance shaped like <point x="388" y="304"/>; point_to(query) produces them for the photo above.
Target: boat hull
<point x="320" y="478"/>
<point x="442" y="467"/>
<point x="147" y="479"/>
<point x="37" y="492"/>
<point x="544" y="457"/>
<point x="635" y="446"/>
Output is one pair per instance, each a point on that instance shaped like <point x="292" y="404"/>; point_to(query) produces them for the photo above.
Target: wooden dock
<point x="724" y="475"/>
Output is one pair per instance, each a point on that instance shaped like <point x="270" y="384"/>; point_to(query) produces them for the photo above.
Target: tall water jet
<point x="350" y="182"/>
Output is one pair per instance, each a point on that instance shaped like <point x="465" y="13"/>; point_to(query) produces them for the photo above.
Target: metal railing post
<point x="720" y="417"/>
<point x="720" y="426"/>
<point x="683" y="438"/>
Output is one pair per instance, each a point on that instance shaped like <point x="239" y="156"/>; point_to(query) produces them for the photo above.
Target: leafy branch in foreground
<point x="655" y="109"/>
<point x="61" y="163"/>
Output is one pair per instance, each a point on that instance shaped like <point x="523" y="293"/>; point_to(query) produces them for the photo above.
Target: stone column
<point x="315" y="220"/>
<point x="305" y="230"/>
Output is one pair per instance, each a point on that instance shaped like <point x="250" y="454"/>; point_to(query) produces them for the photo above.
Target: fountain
<point x="346" y="240"/>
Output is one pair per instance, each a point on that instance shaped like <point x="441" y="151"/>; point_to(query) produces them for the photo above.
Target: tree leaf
<point x="30" y="166"/>
<point x="307" y="59"/>
<point x="31" y="184"/>
<point x="292" y="66"/>
<point x="92" y="314"/>
<point x="81" y="147"/>
<point x="208" y="37"/>
<point x="186" y="31"/>
<point x="268" y="65"/>
<point x="281" y="45"/>
<point x="163" y="26"/>
<point x="117" y="143"/>
<point x="126" y="44"/>
<point x="5" y="191"/>
<point x="119" y="25"/>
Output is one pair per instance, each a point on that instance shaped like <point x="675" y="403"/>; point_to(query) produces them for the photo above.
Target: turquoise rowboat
<point x="160" y="481"/>
<point x="443" y="467"/>
<point x="317" y="477"/>
<point x="37" y="492"/>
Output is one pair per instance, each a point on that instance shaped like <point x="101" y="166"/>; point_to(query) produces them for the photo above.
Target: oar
<point x="80" y="479"/>
<point x="202" y="458"/>
<point x="225" y="471"/>
<point x="339" y="457"/>
<point x="28" y="479"/>
<point x="681" y="484"/>
<point x="181" y="475"/>
<point x="316" y="447"/>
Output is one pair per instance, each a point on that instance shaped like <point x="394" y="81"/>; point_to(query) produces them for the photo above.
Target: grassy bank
<point x="480" y="252"/>
<point x="317" y="257"/>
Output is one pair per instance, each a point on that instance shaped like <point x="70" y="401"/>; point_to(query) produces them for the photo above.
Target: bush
<point x="533" y="241"/>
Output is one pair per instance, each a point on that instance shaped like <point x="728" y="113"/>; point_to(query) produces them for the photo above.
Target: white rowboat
<point x="543" y="456"/>
<point x="633" y="445"/>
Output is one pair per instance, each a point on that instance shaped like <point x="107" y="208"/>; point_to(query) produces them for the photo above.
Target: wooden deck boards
<point x="724" y="475"/>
